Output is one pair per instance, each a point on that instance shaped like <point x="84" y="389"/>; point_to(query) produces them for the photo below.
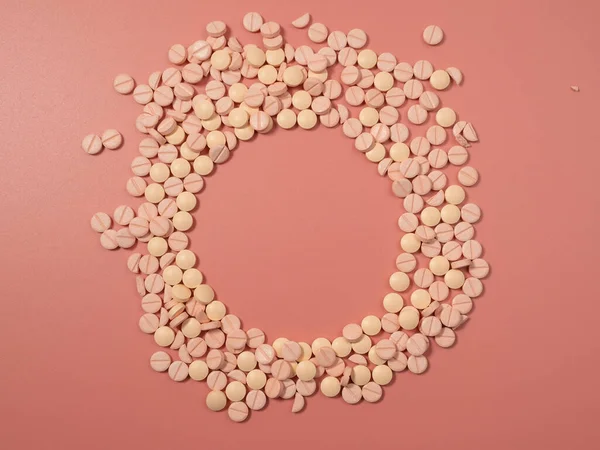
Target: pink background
<point x="298" y="233"/>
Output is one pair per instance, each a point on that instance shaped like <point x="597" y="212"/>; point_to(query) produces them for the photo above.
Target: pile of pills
<point x="218" y="92"/>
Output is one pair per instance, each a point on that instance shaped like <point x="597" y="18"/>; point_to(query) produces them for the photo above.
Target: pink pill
<point x="372" y="392"/>
<point x="470" y="213"/>
<point x="138" y="227"/>
<point x="237" y="339"/>
<point x="444" y="232"/>
<point x="413" y="89"/>
<point x="422" y="70"/>
<point x="160" y="226"/>
<point x="193" y="183"/>
<point x="388" y="115"/>
<point x="123" y="214"/>
<point x="421" y="185"/>
<point x="289" y="389"/>
<point x="436" y="199"/>
<point x="326" y="357"/>
<point x="330" y="119"/>
<point x="429" y="100"/>
<point x="192" y="73"/>
<point x="439" y="179"/>
<point x="437" y="158"/>
<point x="436" y="135"/>
<point x="265" y="354"/>
<point x="177" y="54"/>
<point x="425" y="233"/>
<point x="354" y="96"/>
<point x="352" y="394"/>
<point x="479" y="268"/>
<point x="452" y="251"/>
<point x="417" y="364"/>
<point x="462" y="303"/>
<point x="214" y="338"/>
<point x="108" y="240"/>
<point x="395" y="98"/>
<point x="124" y="238"/>
<point x="367" y="79"/>
<point x="430" y="326"/>
<point x="445" y="338"/>
<point x="450" y="317"/>
<point x="431" y="249"/>
<point x="133" y="262"/>
<point x="433" y="35"/>
<point x="420" y="146"/>
<point x="423" y="278"/>
<point x="274" y="388"/>
<point x="417" y="344"/>
<point x="143" y="94"/>
<point x="406" y="262"/>
<point x="178" y="371"/>
<point x="151" y="303"/>
<point x="423" y="164"/>
<point x="439" y="291"/>
<point x="468" y="176"/>
<point x="389" y="323"/>
<point x="291" y="351"/>
<point x="281" y="369"/>
<point x="216" y="381"/>
<point x="154" y="283"/>
<point x="399" y="338"/>
<point x="352" y="332"/>
<point x="178" y="241"/>
<point x="136" y="186"/>
<point x="337" y="368"/>
<point x="112" y="139"/>
<point x="306" y="388"/>
<point x="238" y="411"/>
<point x="374" y="98"/>
<point x="409" y="168"/>
<point x="164" y="317"/>
<point x="403" y="72"/>
<point x="100" y="222"/>
<point x="140" y="166"/>
<point x="460" y="263"/>
<point x="160" y="361"/>
<point x="357" y="38"/>
<point x="472" y="249"/>
<point x="458" y="155"/>
<point x="173" y="186"/>
<point x="215" y="359"/>
<point x="196" y="347"/>
<point x="148" y="264"/>
<point x="123" y="84"/>
<point x="417" y="114"/>
<point x="167" y="208"/>
<point x="166" y="260"/>
<point x="408" y="222"/>
<point x="386" y="349"/>
<point x="148" y="323"/>
<point x="256" y="400"/>
<point x="91" y="144"/>
<point x="413" y="203"/>
<point x="402" y="187"/>
<point x="148" y="147"/>
<point x="163" y="95"/>
<point x="352" y="128"/>
<point x="350" y="75"/>
<point x="464" y="231"/>
<point x="182" y="350"/>
<point x="256" y="337"/>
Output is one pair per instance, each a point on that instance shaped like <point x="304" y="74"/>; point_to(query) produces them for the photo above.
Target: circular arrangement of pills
<point x="217" y="93"/>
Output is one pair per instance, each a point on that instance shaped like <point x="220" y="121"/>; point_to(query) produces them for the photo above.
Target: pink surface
<point x="298" y="234"/>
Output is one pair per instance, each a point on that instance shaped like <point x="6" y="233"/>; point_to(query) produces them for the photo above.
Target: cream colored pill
<point x="420" y="299"/>
<point x="454" y="194"/>
<point x="454" y="279"/>
<point x="330" y="386"/>
<point x="393" y="302"/>
<point x="371" y="325"/>
<point x="361" y="375"/>
<point x="306" y="370"/>
<point x="341" y="346"/>
<point x="399" y="281"/>
<point x="445" y="117"/>
<point x="440" y="80"/>
<point x="307" y="119"/>
<point x="382" y="375"/>
<point x="450" y="214"/>
<point x="368" y="116"/>
<point x="408" y="318"/>
<point x="367" y="59"/>
<point x="410" y="243"/>
<point x="198" y="370"/>
<point x="256" y="379"/>
<point x="216" y="400"/>
<point x="439" y="265"/>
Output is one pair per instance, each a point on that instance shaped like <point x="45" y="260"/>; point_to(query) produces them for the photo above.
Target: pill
<point x="468" y="176"/>
<point x="302" y="21"/>
<point x="92" y="144"/>
<point x="417" y="364"/>
<point x="372" y="392"/>
<point x="433" y="35"/>
<point x="357" y="38"/>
